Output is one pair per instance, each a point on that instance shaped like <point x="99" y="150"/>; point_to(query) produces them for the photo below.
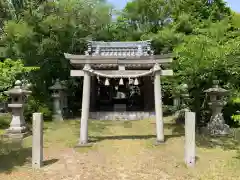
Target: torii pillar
<point x="158" y="106"/>
<point x="85" y="108"/>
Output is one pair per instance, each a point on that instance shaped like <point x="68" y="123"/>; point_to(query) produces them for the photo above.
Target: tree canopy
<point x="203" y="34"/>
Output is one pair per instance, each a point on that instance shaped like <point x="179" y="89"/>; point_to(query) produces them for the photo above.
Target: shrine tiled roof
<point x="134" y="48"/>
<point x="108" y="55"/>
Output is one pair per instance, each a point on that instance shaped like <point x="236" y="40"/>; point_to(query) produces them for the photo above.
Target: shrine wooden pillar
<point x="85" y="107"/>
<point x="158" y="107"/>
<point x="148" y="94"/>
<point x="93" y="94"/>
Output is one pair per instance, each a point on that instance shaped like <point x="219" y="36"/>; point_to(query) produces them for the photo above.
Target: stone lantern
<point x="180" y="96"/>
<point x="216" y="125"/>
<point x="185" y="97"/>
<point x="182" y="107"/>
<point x="64" y="96"/>
<point x="18" y="95"/>
<point x="58" y="99"/>
<point x="176" y="99"/>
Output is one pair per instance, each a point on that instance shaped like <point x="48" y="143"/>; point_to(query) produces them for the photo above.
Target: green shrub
<point x="168" y="110"/>
<point x="5" y="121"/>
<point x="236" y="117"/>
<point x="34" y="105"/>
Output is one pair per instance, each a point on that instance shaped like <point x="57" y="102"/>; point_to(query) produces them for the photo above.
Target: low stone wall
<point x="121" y="116"/>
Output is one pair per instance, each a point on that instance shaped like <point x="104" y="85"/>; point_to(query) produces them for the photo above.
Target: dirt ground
<point x="121" y="151"/>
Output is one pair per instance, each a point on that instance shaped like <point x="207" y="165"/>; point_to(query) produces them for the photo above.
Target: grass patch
<point x="13" y="155"/>
<point x="130" y="144"/>
<point x="5" y="120"/>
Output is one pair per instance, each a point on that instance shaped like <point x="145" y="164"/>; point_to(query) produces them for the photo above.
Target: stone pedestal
<point x="17" y="126"/>
<point x="57" y="110"/>
<point x="120" y="107"/>
<point x="176" y="102"/>
<point x="126" y="115"/>
<point x="216" y="125"/>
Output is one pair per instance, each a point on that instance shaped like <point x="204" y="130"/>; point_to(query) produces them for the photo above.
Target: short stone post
<point x="190" y="153"/>
<point x="158" y="107"/>
<point x="37" y="140"/>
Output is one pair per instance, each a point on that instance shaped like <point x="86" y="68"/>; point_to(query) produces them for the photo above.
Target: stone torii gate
<point x="129" y="57"/>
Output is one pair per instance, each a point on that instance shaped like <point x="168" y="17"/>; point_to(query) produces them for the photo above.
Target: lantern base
<point x="15" y="135"/>
<point x="158" y="142"/>
<point x="84" y="145"/>
<point x="217" y="127"/>
<point x="57" y="117"/>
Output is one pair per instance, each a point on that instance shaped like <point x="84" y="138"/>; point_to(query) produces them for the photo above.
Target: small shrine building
<point x="122" y="80"/>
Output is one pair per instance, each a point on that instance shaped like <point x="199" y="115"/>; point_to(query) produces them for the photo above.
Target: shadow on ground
<point x="226" y="143"/>
<point x="206" y="141"/>
<point x="93" y="125"/>
<point x="176" y="129"/>
<point x="124" y="137"/>
<point x="238" y="154"/>
<point x="13" y="154"/>
<point x="49" y="162"/>
<point x="119" y="137"/>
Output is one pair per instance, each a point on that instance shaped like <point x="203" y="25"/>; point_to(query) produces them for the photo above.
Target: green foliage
<point x="148" y="16"/>
<point x="168" y="110"/>
<point x="236" y="117"/>
<point x="5" y="121"/>
<point x="206" y="55"/>
<point x="204" y="36"/>
<point x="34" y="105"/>
<point x="236" y="102"/>
<point x="213" y="10"/>
<point x="10" y="71"/>
<point x="235" y="20"/>
<point x="44" y="30"/>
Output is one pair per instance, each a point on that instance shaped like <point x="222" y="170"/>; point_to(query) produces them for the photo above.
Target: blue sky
<point x="234" y="4"/>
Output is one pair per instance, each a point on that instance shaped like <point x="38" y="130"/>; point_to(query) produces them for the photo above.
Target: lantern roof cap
<point x="17" y="89"/>
<point x="57" y="85"/>
<point x="216" y="88"/>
